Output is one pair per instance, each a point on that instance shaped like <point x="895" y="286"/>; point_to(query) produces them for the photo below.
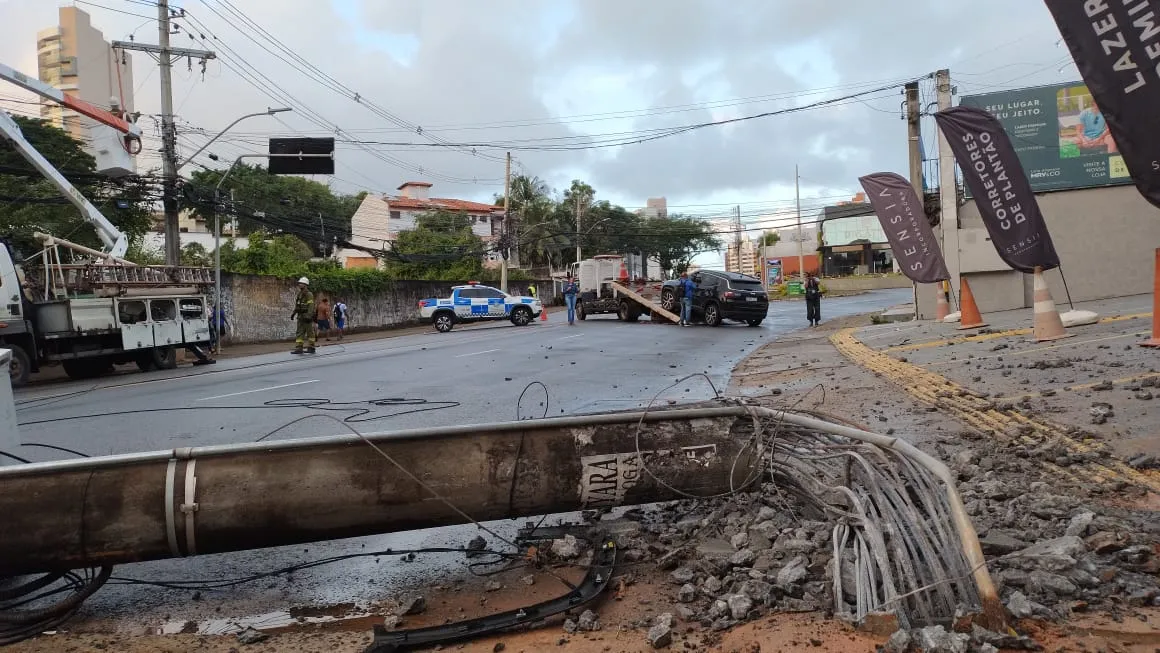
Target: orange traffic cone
<point x="1154" y="341"/>
<point x="971" y="319"/>
<point x="544" y="314"/>
<point x="1048" y="326"/>
<point x="942" y="308"/>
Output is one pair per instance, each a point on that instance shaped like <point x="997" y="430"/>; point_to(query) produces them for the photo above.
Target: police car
<point x="476" y="303"/>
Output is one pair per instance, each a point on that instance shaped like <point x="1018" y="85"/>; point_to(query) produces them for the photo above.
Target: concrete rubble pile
<point x="732" y="559"/>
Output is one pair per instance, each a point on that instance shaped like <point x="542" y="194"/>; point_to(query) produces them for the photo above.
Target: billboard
<point x="1059" y="134"/>
<point x="773" y="272"/>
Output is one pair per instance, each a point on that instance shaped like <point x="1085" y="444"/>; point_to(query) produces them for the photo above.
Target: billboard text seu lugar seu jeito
<point x="1059" y="134"/>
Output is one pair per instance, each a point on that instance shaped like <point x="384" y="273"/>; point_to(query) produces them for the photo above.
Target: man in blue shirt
<point x="571" y="289"/>
<point x="686" y="287"/>
<point x="1094" y="132"/>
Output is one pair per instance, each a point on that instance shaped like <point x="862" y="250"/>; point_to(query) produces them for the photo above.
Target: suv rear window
<point x="746" y="284"/>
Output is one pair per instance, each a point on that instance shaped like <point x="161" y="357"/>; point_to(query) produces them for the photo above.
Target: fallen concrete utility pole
<point x="148" y="506"/>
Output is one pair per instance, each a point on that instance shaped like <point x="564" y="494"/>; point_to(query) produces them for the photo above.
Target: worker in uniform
<point x="532" y="290"/>
<point x="304" y="313"/>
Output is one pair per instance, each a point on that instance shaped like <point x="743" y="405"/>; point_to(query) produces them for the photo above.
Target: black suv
<point x="720" y="296"/>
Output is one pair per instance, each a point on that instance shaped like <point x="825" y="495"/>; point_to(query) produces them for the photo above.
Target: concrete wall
<point x="854" y="284"/>
<point x="1106" y="239"/>
<point x="258" y="307"/>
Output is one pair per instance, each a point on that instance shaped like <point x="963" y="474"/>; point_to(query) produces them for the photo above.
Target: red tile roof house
<point x="379" y="219"/>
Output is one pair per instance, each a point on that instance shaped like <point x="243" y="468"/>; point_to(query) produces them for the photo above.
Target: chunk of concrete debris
<point x="1078" y="525"/>
<point x="899" y="642"/>
<point x="661" y="634"/>
<point x="413" y="605"/>
<point x="687" y="593"/>
<point x="251" y="635"/>
<point x="566" y="548"/>
<point x="743" y="558"/>
<point x="683" y="575"/>
<point x="589" y="621"/>
<point x="476" y="546"/>
<point x="739" y="605"/>
<point x="793" y="573"/>
<point x="1020" y="606"/>
<point x="1000" y="543"/>
<point x="936" y="639"/>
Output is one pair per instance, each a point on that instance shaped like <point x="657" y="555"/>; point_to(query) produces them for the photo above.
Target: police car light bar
<point x="473" y="283"/>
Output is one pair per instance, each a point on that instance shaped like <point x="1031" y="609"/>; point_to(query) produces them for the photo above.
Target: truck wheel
<point x="164" y="358"/>
<point x="521" y="316"/>
<point x="580" y="312"/>
<point x="713" y="315"/>
<point x="627" y="313"/>
<point x="144" y="360"/>
<point x="443" y="321"/>
<point x="669" y="301"/>
<point x="20" y="367"/>
<point x="86" y="368"/>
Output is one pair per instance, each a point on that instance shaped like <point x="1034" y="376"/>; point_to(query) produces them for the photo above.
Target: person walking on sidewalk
<point x="571" y="289"/>
<point x="686" y="287"/>
<point x="305" y="316"/>
<point x="813" y="300"/>
<point x="322" y="316"/>
<point x="339" y="314"/>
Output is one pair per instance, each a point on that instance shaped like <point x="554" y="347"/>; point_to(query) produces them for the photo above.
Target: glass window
<point x="469" y="293"/>
<point x="745" y="284"/>
<point x="131" y="312"/>
<point x="162" y="310"/>
<point x="395" y="215"/>
<point x="490" y="292"/>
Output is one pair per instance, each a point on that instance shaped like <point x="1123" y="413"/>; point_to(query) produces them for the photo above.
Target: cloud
<point x="521" y="72"/>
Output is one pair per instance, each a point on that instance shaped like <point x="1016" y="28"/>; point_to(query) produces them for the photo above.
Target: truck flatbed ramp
<point x="653" y="307"/>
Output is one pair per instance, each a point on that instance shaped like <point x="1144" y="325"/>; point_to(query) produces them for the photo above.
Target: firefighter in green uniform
<point x="304" y="313"/>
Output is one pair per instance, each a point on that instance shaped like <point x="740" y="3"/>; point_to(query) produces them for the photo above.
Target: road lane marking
<point x="246" y="392"/>
<point x="578" y="335"/>
<point x="478" y="353"/>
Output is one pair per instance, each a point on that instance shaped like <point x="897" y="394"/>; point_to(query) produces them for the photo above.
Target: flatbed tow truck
<point x="87" y="309"/>
<point x="605" y="288"/>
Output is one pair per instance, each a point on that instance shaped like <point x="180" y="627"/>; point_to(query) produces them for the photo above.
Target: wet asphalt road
<point x="471" y="375"/>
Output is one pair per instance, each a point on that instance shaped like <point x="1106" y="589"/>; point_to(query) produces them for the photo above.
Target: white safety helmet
<point x="304" y="281"/>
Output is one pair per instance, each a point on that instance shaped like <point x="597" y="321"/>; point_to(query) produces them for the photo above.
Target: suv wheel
<point x="669" y="301"/>
<point x="522" y="316"/>
<point x="753" y="323"/>
<point x="713" y="315"/>
<point x="443" y="321"/>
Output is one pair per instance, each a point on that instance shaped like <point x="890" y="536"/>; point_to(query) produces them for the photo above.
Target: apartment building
<point x="74" y="57"/>
<point x="744" y="258"/>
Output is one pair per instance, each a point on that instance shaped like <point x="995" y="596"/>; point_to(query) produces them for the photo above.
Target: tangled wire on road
<point x="895" y="542"/>
<point x="894" y="537"/>
<point x="25" y="607"/>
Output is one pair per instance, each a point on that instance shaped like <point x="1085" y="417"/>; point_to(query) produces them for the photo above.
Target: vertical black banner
<point x="1116" y="46"/>
<point x="1000" y="187"/>
<point x="900" y="210"/>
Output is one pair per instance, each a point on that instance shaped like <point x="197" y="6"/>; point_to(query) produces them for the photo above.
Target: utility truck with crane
<point x="87" y="309"/>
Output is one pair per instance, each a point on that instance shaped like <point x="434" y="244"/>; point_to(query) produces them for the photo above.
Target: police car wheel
<point x="521" y="316"/>
<point x="443" y="322"/>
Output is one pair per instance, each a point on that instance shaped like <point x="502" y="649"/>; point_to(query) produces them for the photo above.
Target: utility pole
<point x="914" y="136"/>
<point x="165" y="56"/>
<point x="947" y="187"/>
<point x="797" y="194"/>
<point x="507" y="228"/>
<point x="914" y="147"/>
<point x="168" y="139"/>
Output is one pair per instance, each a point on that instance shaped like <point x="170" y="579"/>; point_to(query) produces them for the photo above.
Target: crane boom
<point x="132" y="133"/>
<point x="116" y="241"/>
<point x="113" y="238"/>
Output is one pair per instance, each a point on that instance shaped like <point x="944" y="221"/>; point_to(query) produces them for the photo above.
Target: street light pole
<point x="577" y="227"/>
<point x="267" y="112"/>
<point x="217" y="228"/>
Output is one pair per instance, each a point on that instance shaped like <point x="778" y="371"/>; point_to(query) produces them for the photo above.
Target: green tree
<point x="675" y="240"/>
<point x="261" y="201"/>
<point x="440" y="247"/>
<point x="30" y="203"/>
<point x="770" y="238"/>
<point x="195" y="254"/>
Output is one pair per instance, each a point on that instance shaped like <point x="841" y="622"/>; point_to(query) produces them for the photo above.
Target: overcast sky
<point x="536" y="74"/>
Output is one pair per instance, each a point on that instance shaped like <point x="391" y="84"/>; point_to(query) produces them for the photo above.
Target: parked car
<point x="720" y="296"/>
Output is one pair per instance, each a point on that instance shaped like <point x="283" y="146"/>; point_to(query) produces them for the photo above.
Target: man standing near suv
<point x="686" y="288"/>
